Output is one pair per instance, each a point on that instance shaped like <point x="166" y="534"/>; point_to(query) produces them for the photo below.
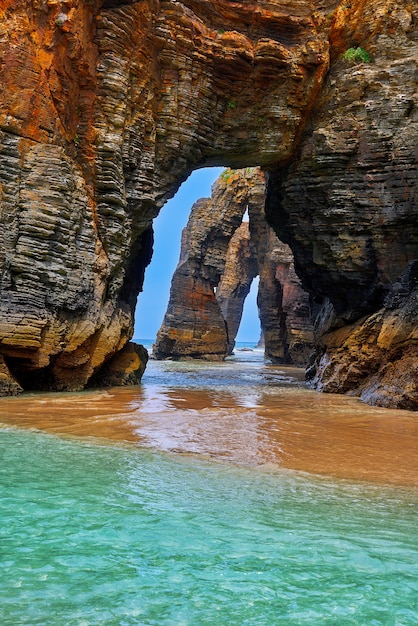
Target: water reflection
<point x="240" y="411"/>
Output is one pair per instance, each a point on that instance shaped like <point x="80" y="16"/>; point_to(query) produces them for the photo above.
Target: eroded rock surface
<point x="8" y="384"/>
<point x="125" y="368"/>
<point x="348" y="204"/>
<point x="284" y="306"/>
<point x="285" y="309"/>
<point x="376" y="358"/>
<point x="106" y="107"/>
<point x="220" y="257"/>
<point x="241" y="268"/>
<point x="193" y="325"/>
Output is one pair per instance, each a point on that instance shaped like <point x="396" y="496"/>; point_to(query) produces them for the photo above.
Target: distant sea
<point x="240" y="345"/>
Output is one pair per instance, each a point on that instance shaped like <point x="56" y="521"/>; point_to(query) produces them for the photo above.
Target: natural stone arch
<point x="220" y="256"/>
<point x="195" y="324"/>
<point x="241" y="268"/>
<point x="107" y="107"/>
<point x="125" y="101"/>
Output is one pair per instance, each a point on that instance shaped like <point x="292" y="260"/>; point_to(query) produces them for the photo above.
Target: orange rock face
<point x="104" y="109"/>
<point x="107" y="106"/>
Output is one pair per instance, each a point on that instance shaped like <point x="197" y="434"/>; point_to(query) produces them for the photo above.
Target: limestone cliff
<point x="106" y="106"/>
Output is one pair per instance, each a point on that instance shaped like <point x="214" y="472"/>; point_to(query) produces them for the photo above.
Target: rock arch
<point x="105" y="109"/>
<point x="220" y="256"/>
<point x="241" y="268"/>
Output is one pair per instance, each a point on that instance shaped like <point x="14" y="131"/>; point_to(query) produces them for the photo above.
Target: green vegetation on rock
<point x="357" y="55"/>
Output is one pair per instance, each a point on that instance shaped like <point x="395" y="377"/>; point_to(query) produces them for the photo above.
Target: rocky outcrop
<point x="284" y="306"/>
<point x="219" y="260"/>
<point x="193" y="326"/>
<point x="286" y="314"/>
<point x="107" y="106"/>
<point x="241" y="268"/>
<point x="348" y="206"/>
<point x="376" y="358"/>
<point x="125" y="368"/>
<point x="8" y="384"/>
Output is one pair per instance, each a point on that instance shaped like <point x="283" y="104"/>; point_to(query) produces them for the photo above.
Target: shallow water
<point x="177" y="504"/>
<point x="240" y="411"/>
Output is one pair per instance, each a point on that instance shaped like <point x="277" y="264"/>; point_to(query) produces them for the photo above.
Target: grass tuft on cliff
<point x="357" y="55"/>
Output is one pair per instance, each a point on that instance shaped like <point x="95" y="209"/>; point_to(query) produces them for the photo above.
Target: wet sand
<point x="268" y="428"/>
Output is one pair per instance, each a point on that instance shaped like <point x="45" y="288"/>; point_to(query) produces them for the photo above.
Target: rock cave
<point x="107" y="106"/>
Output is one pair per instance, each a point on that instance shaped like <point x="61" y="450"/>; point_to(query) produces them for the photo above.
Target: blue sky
<point x="152" y="302"/>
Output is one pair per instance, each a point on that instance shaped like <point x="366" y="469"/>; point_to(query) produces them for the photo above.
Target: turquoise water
<point x="121" y="535"/>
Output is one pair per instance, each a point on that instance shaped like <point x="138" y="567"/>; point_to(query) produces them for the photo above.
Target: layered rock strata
<point x="376" y="357"/>
<point x="106" y="107"/>
<point x="285" y="312"/>
<point x="241" y="268"/>
<point x="348" y="207"/>
<point x="125" y="368"/>
<point x="219" y="260"/>
<point x="193" y="325"/>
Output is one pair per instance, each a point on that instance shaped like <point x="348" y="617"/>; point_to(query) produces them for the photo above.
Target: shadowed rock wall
<point x="106" y="107"/>
<point x="284" y="306"/>
<point x="348" y="207"/>
<point x="286" y="314"/>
